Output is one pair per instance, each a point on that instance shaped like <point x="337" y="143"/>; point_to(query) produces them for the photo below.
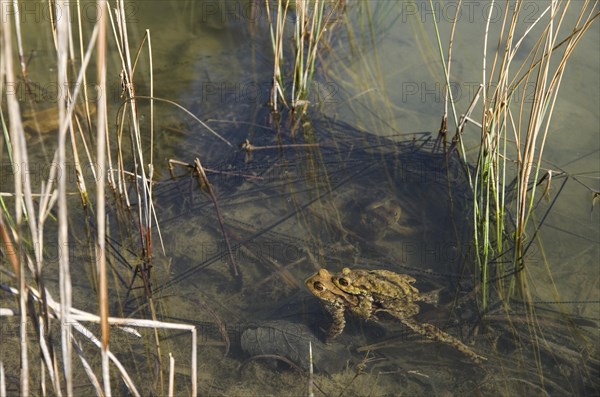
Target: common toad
<point x="366" y="293"/>
<point x="372" y="219"/>
<point x="380" y="216"/>
<point x="334" y="300"/>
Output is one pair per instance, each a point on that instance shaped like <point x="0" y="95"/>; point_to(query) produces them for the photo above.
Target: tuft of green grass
<point x="513" y="131"/>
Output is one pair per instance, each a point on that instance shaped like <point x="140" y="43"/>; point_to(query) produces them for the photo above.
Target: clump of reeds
<point x="24" y="216"/>
<point x="311" y="22"/>
<point x="514" y="127"/>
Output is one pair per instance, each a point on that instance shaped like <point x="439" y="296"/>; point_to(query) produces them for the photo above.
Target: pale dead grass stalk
<point x="54" y="193"/>
<point x="62" y="37"/>
<point x="19" y="155"/>
<point x="171" y="374"/>
<point x="16" y="14"/>
<point x="101" y="132"/>
<point x="2" y="381"/>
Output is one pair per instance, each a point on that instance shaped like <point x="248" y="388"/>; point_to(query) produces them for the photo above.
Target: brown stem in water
<point x="203" y="183"/>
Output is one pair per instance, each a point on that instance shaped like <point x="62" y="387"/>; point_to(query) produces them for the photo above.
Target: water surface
<point x="288" y="212"/>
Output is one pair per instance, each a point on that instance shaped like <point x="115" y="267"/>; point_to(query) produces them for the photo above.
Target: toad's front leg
<point x="339" y="321"/>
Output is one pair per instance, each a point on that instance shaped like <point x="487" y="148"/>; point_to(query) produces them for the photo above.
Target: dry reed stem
<point x="88" y="116"/>
<point x="2" y="380"/>
<point x="448" y="72"/>
<point x="9" y="247"/>
<point x="15" y="10"/>
<point x="17" y="138"/>
<point x="54" y="378"/>
<point x="87" y="368"/>
<point x="171" y="374"/>
<point x="101" y="132"/>
<point x="62" y="37"/>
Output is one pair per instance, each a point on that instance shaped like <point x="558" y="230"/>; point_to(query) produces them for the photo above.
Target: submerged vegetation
<point x="104" y="203"/>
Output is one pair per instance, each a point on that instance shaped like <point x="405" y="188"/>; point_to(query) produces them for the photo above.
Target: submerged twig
<point x="310" y="370"/>
<point x="248" y="147"/>
<point x="204" y="183"/>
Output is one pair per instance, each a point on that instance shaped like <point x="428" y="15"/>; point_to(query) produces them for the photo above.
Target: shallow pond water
<point x="289" y="210"/>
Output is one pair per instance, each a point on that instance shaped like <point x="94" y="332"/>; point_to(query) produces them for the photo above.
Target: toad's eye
<point x="318" y="286"/>
<point x="343" y="281"/>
